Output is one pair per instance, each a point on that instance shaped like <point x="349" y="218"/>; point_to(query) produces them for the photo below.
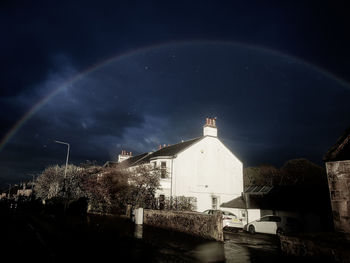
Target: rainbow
<point x="14" y="129"/>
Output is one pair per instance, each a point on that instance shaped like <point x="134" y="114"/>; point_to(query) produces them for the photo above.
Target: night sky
<point x="106" y="76"/>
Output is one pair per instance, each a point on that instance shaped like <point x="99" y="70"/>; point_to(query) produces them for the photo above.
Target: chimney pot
<point x="210" y="127"/>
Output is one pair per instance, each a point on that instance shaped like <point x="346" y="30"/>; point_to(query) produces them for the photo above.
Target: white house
<point x="203" y="168"/>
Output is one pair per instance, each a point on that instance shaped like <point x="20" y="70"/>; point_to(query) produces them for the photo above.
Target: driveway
<point x="241" y="246"/>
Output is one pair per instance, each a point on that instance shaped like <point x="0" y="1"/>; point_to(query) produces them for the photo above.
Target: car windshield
<point x="270" y="219"/>
<point x="228" y="213"/>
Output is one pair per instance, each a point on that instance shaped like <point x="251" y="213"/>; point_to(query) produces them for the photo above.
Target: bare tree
<point x="144" y="181"/>
<point x="50" y="183"/>
<point x="107" y="190"/>
<point x="293" y="172"/>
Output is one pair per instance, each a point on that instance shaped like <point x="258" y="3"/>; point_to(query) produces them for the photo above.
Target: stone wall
<point x="193" y="223"/>
<point x="338" y="174"/>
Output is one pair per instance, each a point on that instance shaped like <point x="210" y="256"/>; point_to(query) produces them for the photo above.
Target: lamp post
<point x="65" y="174"/>
<point x="68" y="147"/>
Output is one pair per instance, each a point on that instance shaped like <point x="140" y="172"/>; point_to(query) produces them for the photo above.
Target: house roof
<point x="340" y="150"/>
<point x="167" y="151"/>
<point x="258" y="189"/>
<point x="234" y="203"/>
<point x="253" y="202"/>
<point x="128" y="162"/>
<point x="172" y="150"/>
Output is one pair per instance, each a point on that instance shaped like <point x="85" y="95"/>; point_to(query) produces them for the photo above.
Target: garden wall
<point x="193" y="223"/>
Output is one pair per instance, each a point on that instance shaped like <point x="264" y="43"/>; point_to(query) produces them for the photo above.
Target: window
<point x="264" y="219"/>
<point x="275" y="219"/>
<point x="214" y="202"/>
<point x="229" y="214"/>
<point x="270" y="219"/>
<point x="163" y="169"/>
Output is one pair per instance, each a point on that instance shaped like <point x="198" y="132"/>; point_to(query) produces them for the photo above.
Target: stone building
<point x="338" y="172"/>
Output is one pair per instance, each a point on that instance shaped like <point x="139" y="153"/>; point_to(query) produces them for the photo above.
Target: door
<point x="267" y="224"/>
<point x="261" y="225"/>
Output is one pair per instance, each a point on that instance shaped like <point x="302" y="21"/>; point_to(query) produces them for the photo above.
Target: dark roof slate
<point x="171" y="150"/>
<point x="253" y="202"/>
<point x="235" y="203"/>
<point x="128" y="162"/>
<point x="168" y="151"/>
<point x="258" y="189"/>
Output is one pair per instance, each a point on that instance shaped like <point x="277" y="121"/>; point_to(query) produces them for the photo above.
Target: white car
<point x="271" y="224"/>
<point x="228" y="219"/>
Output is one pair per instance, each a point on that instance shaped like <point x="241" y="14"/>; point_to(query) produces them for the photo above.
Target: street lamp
<point x="65" y="173"/>
<point x="65" y="143"/>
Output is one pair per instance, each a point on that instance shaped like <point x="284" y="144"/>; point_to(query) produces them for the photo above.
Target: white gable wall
<point x="207" y="169"/>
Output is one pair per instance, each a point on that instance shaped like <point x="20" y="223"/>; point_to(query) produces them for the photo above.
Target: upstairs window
<point x="163" y="169"/>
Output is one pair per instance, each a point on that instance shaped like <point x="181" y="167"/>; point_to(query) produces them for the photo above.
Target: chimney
<point x="210" y="129"/>
<point x="160" y="146"/>
<point x="123" y="156"/>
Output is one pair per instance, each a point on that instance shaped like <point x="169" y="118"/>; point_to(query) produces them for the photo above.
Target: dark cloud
<point x="270" y="107"/>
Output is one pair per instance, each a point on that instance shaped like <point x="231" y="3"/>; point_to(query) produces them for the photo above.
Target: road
<point x="38" y="237"/>
<point x="245" y="247"/>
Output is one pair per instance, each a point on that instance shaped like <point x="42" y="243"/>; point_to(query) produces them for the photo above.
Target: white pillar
<point x="139" y="216"/>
